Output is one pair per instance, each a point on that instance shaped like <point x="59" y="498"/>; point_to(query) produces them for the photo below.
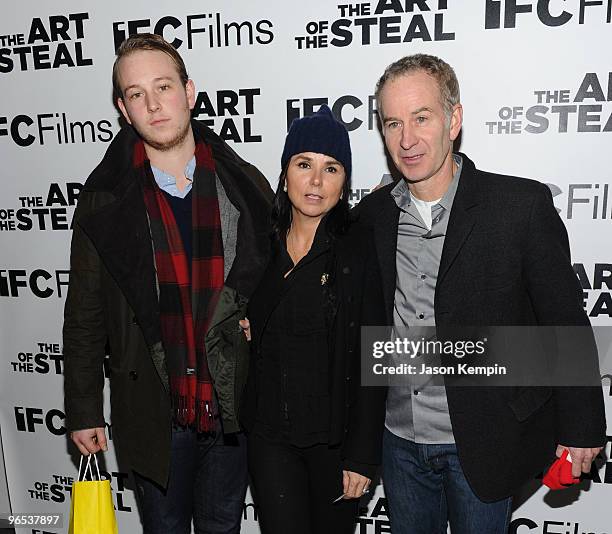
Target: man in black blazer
<point x="462" y="247"/>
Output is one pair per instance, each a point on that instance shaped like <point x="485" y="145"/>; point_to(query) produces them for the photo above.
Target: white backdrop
<point x="536" y="82"/>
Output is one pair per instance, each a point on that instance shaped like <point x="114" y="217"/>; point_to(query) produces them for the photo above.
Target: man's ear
<point x="190" y="90"/>
<point x="124" y="112"/>
<point x="456" y="121"/>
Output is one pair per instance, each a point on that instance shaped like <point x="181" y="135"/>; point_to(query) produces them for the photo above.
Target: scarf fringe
<point x="205" y="421"/>
<point x="191" y="410"/>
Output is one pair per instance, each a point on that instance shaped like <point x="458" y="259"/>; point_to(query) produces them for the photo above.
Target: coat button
<point x="348" y="378"/>
<point x="352" y="324"/>
<point x="133" y="375"/>
<point x="346" y="270"/>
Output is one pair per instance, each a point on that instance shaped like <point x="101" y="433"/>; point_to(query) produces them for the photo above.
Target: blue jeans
<point x="426" y="488"/>
<point x="208" y="481"/>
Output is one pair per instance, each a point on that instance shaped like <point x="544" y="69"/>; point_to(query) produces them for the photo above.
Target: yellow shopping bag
<point x="91" y="509"/>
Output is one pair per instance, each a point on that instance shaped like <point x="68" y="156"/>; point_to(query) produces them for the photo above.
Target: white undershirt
<point x="424" y="208"/>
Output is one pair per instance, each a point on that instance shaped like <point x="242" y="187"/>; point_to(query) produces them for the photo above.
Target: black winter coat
<point x="356" y="413"/>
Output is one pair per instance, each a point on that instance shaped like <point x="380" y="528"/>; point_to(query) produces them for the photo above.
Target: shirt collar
<point x="401" y="193"/>
<point x="447" y="200"/>
<point x="165" y="180"/>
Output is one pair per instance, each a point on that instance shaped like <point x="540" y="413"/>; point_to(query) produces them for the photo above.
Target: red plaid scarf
<point x="182" y="330"/>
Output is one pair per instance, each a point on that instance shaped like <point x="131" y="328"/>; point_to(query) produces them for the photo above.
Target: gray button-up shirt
<point x="419" y="412"/>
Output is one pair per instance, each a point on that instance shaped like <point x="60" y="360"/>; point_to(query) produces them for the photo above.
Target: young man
<point x="458" y="246"/>
<point x="169" y="242"/>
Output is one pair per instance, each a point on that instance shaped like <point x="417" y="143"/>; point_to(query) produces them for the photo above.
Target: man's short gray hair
<point x="438" y="69"/>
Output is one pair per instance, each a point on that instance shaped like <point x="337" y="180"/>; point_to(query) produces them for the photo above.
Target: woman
<point x="314" y="433"/>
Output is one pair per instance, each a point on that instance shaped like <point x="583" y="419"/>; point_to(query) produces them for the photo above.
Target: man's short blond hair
<point x="147" y="41"/>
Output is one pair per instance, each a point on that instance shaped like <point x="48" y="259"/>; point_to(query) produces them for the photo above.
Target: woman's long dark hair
<point x="336" y="221"/>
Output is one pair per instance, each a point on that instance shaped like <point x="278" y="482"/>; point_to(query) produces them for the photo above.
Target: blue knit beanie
<point x="320" y="133"/>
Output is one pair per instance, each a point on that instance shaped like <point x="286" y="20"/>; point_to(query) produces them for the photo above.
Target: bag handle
<point x="88" y="466"/>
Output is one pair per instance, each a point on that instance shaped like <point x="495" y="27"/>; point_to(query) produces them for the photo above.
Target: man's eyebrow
<point x="387" y="119"/>
<point x="137" y="85"/>
<point x="416" y="112"/>
<point x="420" y="110"/>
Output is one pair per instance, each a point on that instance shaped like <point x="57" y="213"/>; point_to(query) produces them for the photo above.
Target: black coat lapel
<point x="120" y="233"/>
<point x="462" y="217"/>
<point x="385" y="234"/>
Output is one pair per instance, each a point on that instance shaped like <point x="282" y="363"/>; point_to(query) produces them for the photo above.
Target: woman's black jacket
<point x="357" y="413"/>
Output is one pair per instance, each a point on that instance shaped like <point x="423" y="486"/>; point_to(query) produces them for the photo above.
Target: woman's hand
<point x="354" y="484"/>
<point x="246" y="327"/>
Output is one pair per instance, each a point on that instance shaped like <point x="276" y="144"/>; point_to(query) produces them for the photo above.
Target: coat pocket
<point x="529" y="400"/>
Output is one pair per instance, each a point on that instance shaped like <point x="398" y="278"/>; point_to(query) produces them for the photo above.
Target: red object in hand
<point x="559" y="475"/>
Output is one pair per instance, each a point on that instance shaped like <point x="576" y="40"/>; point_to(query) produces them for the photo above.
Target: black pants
<point x="294" y="488"/>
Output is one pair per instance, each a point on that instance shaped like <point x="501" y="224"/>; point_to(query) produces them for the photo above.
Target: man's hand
<point x="354" y="484"/>
<point x="246" y="327"/>
<point x="581" y="458"/>
<point x="89" y="440"/>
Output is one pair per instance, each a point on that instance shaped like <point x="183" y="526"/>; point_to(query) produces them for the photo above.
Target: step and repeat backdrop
<point x="536" y="84"/>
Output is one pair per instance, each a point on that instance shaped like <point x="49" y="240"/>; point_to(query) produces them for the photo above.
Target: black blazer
<point x="356" y="413"/>
<point x="505" y="261"/>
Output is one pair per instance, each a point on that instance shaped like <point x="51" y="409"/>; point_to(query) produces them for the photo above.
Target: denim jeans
<point x="208" y="481"/>
<point x="426" y="488"/>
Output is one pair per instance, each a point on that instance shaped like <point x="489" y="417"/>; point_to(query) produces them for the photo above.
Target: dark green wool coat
<point x="112" y="298"/>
